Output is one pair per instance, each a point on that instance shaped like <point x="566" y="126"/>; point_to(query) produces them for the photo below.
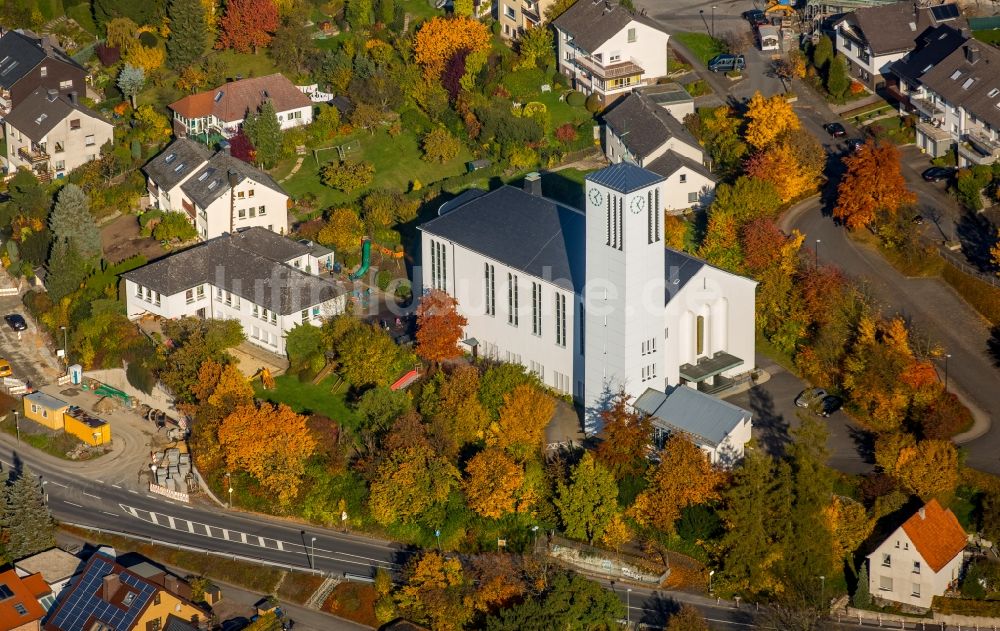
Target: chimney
<point x="923" y="513"/>
<point x="171" y="584"/>
<point x="52" y="94"/>
<point x="533" y="184"/>
<point x="966" y="33"/>
<point x="110" y="587"/>
<point x="971" y="53"/>
<point x="72" y="97"/>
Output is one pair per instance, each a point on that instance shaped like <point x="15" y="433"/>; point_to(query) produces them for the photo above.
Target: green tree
<point x="325" y="124"/>
<point x="463" y="8"/>
<point x="131" y="81"/>
<point x="440" y="146"/>
<point x="589" y="501"/>
<point x="304" y="345"/>
<point x="28" y="196"/>
<point x="381" y="406"/>
<point x="72" y="224"/>
<point x="837" y="79"/>
<point x="360" y="14"/>
<point x="368" y="356"/>
<point x="348" y="176"/>
<point x="412" y="485"/>
<point x="187" y="44"/>
<point x="264" y="131"/>
<point x="990" y="515"/>
<point x="27" y="525"/>
<point x="193" y="342"/>
<point x="571" y="602"/>
<point x="146" y="12"/>
<point x="822" y="53"/>
<point x="498" y="381"/>
<point x="386" y="11"/>
<point x="862" y="594"/>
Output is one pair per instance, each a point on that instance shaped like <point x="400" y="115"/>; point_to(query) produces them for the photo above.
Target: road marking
<point x="152" y="516"/>
<point x="116" y="486"/>
<point x="261" y="540"/>
<point x="57" y="484"/>
<point x="89" y="495"/>
<point x="225" y="534"/>
<point x="99" y="481"/>
<point x="280" y="545"/>
<point x="132" y="491"/>
<point x="107" y="513"/>
<point x="243" y="536"/>
<point x="171" y="520"/>
<point x="190" y="526"/>
<point x="72" y="504"/>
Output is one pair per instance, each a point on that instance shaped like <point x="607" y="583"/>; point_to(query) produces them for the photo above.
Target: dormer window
<point x="968" y="83"/>
<point x="213" y="184"/>
<point x="956" y="75"/>
<point x="41" y="117"/>
<point x="218" y="96"/>
<point x="170" y="158"/>
<point x="992" y="93"/>
<point x="179" y="168"/>
<point x="129" y="599"/>
<point x="43" y="71"/>
<point x="201" y="178"/>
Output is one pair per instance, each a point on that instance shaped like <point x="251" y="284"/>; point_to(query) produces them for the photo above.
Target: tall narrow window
<point x="536" y="308"/>
<point x="608" y="240"/>
<point x="490" y="289"/>
<point x="434" y="264"/>
<point x="512" y="307"/>
<point x="700" y="335"/>
<point x="561" y="319"/>
<point x="444" y="267"/>
<point x="614" y="220"/>
<point x="621" y="223"/>
<point x="649" y="219"/>
<point x="656" y="215"/>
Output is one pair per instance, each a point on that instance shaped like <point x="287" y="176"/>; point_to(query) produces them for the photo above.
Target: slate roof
<point x="24" y="592"/>
<point x="592" y="23"/>
<point x="643" y="126"/>
<point x="933" y="46"/>
<point x="40" y="112"/>
<point x="215" y="183"/>
<point x="679" y="269"/>
<point x="936" y="534"/>
<point x="18" y="55"/>
<point x="894" y="28"/>
<point x="527" y="232"/>
<point x="176" y="162"/>
<point x="667" y="164"/>
<point x="177" y="624"/>
<point x="231" y="101"/>
<point x="708" y="419"/>
<point x="241" y="263"/>
<point x="82" y="603"/>
<point x="975" y="97"/>
<point x="624" y="177"/>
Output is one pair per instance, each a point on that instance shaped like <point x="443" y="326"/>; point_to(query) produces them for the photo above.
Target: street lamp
<point x="437" y="534"/>
<point x="713" y="21"/>
<point x="946" y="358"/>
<point x="312" y="563"/>
<point x="628" y="608"/>
<point x="534" y="530"/>
<point x="65" y="346"/>
<point x="229" y="485"/>
<point x="17" y="427"/>
<point x="711" y="573"/>
<point x="701" y="12"/>
<point x="822" y="588"/>
<point x="816" y="255"/>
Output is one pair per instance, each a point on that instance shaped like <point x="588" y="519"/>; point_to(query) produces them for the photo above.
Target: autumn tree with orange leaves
<point x="272" y="443"/>
<point x="439" y="327"/>
<point x="525" y="413"/>
<point x="683" y="478"/>
<point x="434" y="592"/>
<point x="499" y="581"/>
<point x="494" y="484"/>
<point x="872" y="186"/>
<point x="929" y="468"/>
<point x="768" y="118"/>
<point x="625" y="436"/>
<point x="247" y="25"/>
<point x="439" y="39"/>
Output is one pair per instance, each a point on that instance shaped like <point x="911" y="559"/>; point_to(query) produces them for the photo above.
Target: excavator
<point x="785" y="8"/>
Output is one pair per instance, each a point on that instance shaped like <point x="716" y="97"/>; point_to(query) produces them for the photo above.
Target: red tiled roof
<point x="239" y="96"/>
<point x="936" y="533"/>
<point x="25" y="593"/>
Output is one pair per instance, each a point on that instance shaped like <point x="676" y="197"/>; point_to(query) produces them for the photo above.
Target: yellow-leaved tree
<point x="434" y="592"/>
<point x="850" y="524"/>
<point x="525" y="413"/>
<point x="493" y="484"/>
<point x="440" y="38"/>
<point x="409" y="483"/>
<point x="929" y="468"/>
<point x="768" y="118"/>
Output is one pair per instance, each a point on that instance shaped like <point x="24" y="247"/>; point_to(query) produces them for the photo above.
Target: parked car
<point x="835" y="129"/>
<point x="854" y="144"/>
<point x="5" y="370"/>
<point x="16" y="321"/>
<point x="755" y="17"/>
<point x="918" y="220"/>
<point x="937" y="174"/>
<point x="726" y="63"/>
<point x="809" y="396"/>
<point x="830" y="404"/>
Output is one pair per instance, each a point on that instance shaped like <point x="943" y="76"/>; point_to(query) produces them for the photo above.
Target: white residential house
<point x="608" y="50"/>
<point x="268" y="282"/>
<point x="51" y="134"/>
<point x="920" y="560"/>
<point x="718" y="428"/>
<point x="958" y="101"/>
<point x="218" y="193"/>
<point x="871" y="38"/>
<point x="223" y="109"/>
<point x="645" y="129"/>
<point x="591" y="300"/>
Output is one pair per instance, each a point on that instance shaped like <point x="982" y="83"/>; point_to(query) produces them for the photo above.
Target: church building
<point x="589" y="300"/>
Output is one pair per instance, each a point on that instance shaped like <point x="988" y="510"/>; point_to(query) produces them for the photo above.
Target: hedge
<point x="983" y="297"/>
<point x="966" y="607"/>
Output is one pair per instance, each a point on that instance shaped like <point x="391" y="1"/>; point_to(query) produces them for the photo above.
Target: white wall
<point x="296" y="117"/>
<point x="499" y="339"/>
<point x="648" y="51"/>
<point x="215" y="220"/>
<point x="876" y="65"/>
<point x="76" y="150"/>
<point x="677" y="193"/>
<point x="902" y="555"/>
<point x="727" y="303"/>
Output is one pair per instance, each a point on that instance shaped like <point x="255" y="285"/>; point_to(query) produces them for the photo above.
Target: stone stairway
<point x="322" y="592"/>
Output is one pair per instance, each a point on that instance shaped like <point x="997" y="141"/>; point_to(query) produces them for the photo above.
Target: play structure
<point x="783" y="7"/>
<point x="266" y="379"/>
<point x="405" y="380"/>
<point x="105" y="390"/>
<point x="366" y="257"/>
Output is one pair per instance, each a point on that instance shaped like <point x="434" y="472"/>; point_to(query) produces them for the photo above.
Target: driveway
<point x="775" y="416"/>
<point x="29" y="357"/>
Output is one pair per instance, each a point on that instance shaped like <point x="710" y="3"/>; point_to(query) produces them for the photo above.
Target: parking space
<point x="29" y="357"/>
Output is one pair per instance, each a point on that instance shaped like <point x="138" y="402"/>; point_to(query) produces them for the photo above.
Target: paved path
<point x="295" y="169"/>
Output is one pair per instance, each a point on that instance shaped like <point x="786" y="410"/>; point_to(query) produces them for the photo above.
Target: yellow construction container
<point x="45" y="409"/>
<point x="87" y="428"/>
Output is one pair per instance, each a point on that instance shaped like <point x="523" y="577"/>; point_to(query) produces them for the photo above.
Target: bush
<point x="140" y="377"/>
<point x="593" y="104"/>
<point x="383" y="278"/>
<point x="149" y="40"/>
<point x="349" y="176"/>
<point x="576" y="98"/>
<point x="440" y="146"/>
<point x="983" y="297"/>
<point x="174" y="226"/>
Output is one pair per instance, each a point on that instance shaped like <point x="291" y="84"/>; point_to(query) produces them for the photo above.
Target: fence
<point x="939" y="622"/>
<point x="982" y="24"/>
<point x="956" y="261"/>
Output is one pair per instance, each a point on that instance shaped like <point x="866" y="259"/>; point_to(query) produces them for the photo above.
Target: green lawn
<point x="990" y="36"/>
<point x="82" y="15"/>
<point x="53" y="443"/>
<point x="305" y="398"/>
<point x="397" y="163"/>
<point x="701" y="45"/>
<point x="246" y="64"/>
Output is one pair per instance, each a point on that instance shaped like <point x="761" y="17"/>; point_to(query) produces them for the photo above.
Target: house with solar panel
<point x="217" y="193"/>
<point x="590" y="300"/>
<point x="106" y="596"/>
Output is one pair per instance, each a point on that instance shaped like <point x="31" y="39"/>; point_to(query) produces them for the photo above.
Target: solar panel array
<point x="85" y="600"/>
<point x="945" y="12"/>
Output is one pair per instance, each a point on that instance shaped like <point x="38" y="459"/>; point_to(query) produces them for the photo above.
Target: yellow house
<point x="87" y="428"/>
<point x="45" y="409"/>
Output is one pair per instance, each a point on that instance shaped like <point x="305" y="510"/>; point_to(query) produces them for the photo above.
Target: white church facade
<point x="590" y="300"/>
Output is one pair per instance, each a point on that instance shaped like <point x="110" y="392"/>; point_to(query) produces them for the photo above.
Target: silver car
<point x="810" y="397"/>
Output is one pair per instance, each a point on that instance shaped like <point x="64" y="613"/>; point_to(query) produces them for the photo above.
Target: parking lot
<point x="29" y="358"/>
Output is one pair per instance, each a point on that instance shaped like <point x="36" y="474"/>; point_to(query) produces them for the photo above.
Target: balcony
<point x="932" y="131"/>
<point x="927" y="107"/>
<point x="530" y="13"/>
<point x="978" y="148"/>
<point x="608" y="71"/>
<point x="33" y="154"/>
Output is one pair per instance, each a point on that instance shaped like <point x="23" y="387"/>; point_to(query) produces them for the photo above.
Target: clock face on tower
<point x="637" y="205"/>
<point x="596" y="197"/>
